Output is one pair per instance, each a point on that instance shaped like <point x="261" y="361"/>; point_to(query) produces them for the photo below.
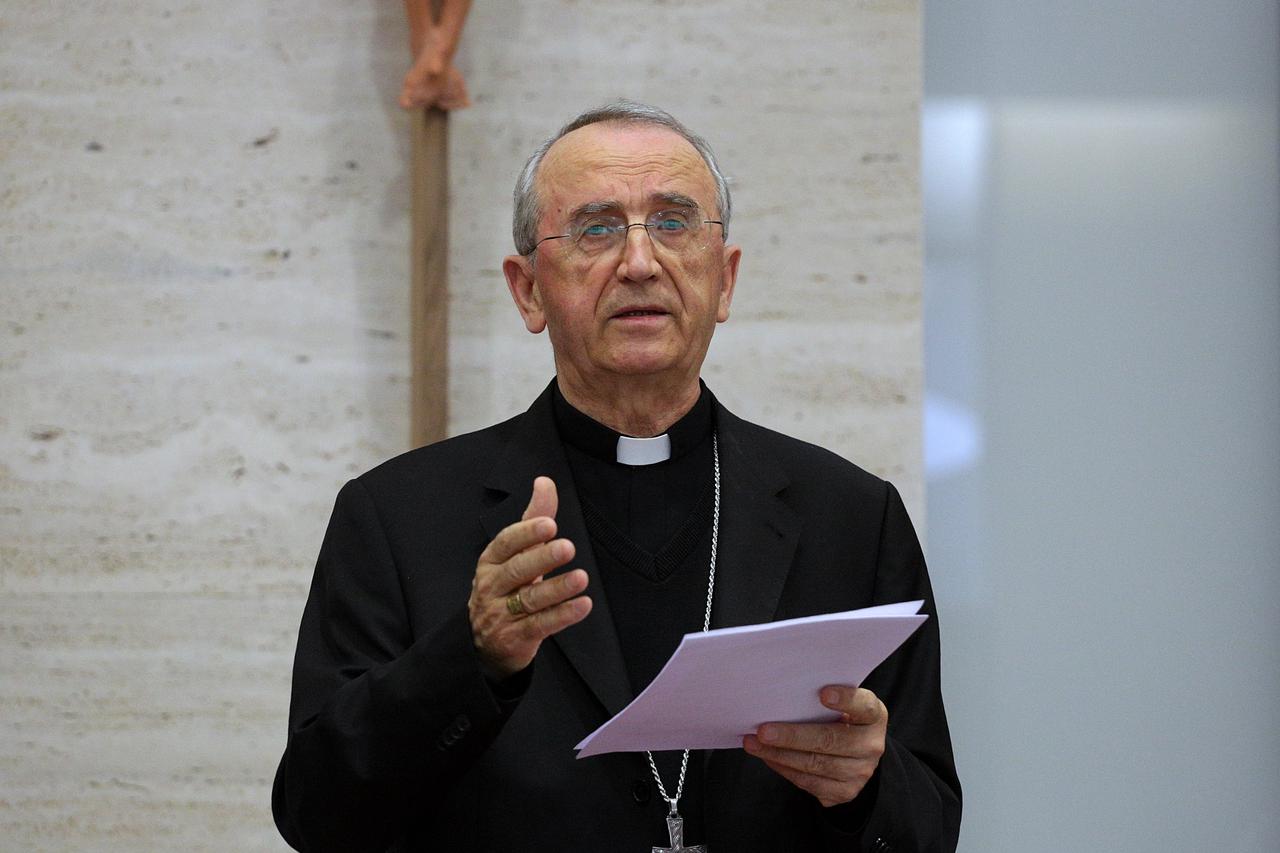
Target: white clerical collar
<point x="644" y="451"/>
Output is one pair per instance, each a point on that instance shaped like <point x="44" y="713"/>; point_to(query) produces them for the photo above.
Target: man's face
<point x="641" y="309"/>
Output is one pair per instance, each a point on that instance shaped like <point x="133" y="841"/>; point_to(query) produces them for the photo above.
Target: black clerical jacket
<point x="397" y="741"/>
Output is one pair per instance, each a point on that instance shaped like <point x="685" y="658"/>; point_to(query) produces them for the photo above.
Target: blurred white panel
<point x="1123" y="661"/>
<point x="954" y="135"/>
<point x="1110" y="315"/>
<point x="952" y="437"/>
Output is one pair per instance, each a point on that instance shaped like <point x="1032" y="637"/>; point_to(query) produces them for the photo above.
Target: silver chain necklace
<point x="675" y="823"/>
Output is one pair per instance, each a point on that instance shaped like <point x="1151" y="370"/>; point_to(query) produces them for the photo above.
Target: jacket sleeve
<point x="914" y="800"/>
<point x="379" y="721"/>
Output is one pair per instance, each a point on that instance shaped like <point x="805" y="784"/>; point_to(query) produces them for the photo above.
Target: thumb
<point x="544" y="501"/>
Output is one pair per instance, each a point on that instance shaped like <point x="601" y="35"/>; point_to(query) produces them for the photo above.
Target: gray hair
<point x="528" y="210"/>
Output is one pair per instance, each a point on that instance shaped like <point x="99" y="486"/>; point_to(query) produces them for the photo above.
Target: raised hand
<point x="512" y="608"/>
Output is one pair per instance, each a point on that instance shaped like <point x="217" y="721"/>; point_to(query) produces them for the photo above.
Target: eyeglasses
<point x="678" y="230"/>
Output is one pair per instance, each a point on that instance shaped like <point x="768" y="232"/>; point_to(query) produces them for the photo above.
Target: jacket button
<point x="882" y="846"/>
<point x="459" y="727"/>
<point x="642" y="791"/>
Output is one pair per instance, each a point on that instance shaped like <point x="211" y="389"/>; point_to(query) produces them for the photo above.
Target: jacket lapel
<point x="534" y="450"/>
<point x="758" y="531"/>
<point x="758" y="536"/>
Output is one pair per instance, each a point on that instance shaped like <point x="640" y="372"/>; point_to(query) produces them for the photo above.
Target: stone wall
<point x="203" y="332"/>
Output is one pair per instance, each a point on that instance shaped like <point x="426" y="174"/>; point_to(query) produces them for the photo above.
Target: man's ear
<point x="728" y="278"/>
<point x="524" y="291"/>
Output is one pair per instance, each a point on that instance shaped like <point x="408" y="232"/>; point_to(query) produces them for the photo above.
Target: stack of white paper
<point x="722" y="684"/>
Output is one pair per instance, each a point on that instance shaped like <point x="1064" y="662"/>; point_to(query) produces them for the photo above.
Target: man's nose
<point x="638" y="261"/>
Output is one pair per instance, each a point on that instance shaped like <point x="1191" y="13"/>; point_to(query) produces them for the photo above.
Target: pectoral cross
<point x="675" y="828"/>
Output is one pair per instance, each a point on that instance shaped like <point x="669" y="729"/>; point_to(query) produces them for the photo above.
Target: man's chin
<point x="639" y="364"/>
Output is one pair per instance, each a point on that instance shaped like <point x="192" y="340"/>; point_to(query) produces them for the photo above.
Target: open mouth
<point x="641" y="312"/>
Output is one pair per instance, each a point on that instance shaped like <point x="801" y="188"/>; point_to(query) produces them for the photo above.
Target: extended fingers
<point x="548" y="593"/>
<point x="827" y="738"/>
<point x="859" y="705"/>
<point x="828" y="791"/>
<point x="824" y="764"/>
<point x="544" y="500"/>
<point x="860" y="734"/>
<point x="507" y="639"/>
<point x="529" y="565"/>
<point x="541" y="624"/>
<point x="832" y="761"/>
<point x="536" y="525"/>
<point x="514" y="538"/>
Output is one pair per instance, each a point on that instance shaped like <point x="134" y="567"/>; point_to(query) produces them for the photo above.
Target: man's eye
<point x="597" y="229"/>
<point x="670" y="222"/>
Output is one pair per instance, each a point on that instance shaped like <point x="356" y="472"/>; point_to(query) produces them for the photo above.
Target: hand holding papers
<point x="722" y="684"/>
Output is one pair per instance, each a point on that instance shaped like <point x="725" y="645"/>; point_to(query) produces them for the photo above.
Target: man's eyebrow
<point x="594" y="207"/>
<point x="670" y="199"/>
<point x="676" y="199"/>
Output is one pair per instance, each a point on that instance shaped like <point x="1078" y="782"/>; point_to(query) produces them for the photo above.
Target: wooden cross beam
<point x="429" y="272"/>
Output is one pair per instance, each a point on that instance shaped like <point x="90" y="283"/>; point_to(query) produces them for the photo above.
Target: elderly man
<point x="481" y="604"/>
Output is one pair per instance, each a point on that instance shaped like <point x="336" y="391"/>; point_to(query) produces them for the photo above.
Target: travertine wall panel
<point x="203" y="256"/>
<point x="203" y="332"/>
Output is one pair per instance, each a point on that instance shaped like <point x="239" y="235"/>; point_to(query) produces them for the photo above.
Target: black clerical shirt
<point x="650" y="529"/>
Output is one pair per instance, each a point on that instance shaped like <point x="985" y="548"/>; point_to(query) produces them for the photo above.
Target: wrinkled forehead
<point x="626" y="163"/>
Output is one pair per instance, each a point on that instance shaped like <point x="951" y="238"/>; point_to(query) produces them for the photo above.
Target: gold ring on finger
<point x="515" y="604"/>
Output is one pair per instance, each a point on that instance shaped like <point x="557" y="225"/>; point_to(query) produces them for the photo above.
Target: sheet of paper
<point x="722" y="684"/>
